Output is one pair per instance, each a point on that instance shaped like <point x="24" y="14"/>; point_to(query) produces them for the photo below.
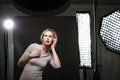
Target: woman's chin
<point x="47" y="44"/>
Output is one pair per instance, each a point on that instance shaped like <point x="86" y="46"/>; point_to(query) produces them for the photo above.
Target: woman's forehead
<point x="48" y="32"/>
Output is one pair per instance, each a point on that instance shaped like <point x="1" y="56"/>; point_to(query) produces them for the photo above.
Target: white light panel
<point x="84" y="39"/>
<point x="110" y="31"/>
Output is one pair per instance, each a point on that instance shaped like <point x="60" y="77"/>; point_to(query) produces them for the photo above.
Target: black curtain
<point x="29" y="29"/>
<point x="2" y="56"/>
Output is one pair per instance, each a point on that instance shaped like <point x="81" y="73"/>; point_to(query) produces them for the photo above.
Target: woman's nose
<point x="47" y="38"/>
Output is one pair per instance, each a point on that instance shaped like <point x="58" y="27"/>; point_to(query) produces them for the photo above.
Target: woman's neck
<point x="44" y="48"/>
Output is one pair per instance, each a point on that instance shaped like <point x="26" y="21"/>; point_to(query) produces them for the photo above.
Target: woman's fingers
<point x="35" y="53"/>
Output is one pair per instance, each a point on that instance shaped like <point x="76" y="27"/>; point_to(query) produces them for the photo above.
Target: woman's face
<point x="48" y="38"/>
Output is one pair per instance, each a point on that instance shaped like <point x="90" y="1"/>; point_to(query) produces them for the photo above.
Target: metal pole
<point x="5" y="53"/>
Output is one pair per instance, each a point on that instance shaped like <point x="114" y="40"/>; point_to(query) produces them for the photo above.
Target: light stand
<point x="6" y="53"/>
<point x="96" y="75"/>
<point x="8" y="26"/>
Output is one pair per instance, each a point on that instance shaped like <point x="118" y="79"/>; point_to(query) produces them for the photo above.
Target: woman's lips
<point x="47" y="41"/>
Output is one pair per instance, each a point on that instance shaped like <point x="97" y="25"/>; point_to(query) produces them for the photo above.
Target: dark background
<point x="108" y="60"/>
<point x="29" y="29"/>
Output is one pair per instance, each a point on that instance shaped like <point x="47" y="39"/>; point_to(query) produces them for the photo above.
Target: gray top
<point x="34" y="68"/>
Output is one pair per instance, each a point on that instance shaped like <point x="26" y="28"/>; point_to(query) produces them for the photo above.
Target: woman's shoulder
<point x="34" y="44"/>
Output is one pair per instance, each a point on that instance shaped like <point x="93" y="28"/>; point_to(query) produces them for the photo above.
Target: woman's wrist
<point x="52" y="48"/>
<point x="29" y="56"/>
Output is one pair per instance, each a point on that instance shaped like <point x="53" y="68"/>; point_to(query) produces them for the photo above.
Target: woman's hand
<point x="55" y="62"/>
<point x="35" y="53"/>
<point x="54" y="43"/>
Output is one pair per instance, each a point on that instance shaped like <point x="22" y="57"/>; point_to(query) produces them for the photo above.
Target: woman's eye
<point x="45" y="35"/>
<point x="50" y="36"/>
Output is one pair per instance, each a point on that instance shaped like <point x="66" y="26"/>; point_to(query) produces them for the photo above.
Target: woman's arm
<point x="24" y="60"/>
<point x="55" y="61"/>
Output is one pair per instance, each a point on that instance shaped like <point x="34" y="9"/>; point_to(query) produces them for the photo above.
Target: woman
<point x="36" y="56"/>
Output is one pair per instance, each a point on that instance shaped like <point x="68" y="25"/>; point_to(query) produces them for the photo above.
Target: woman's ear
<point x="41" y="38"/>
